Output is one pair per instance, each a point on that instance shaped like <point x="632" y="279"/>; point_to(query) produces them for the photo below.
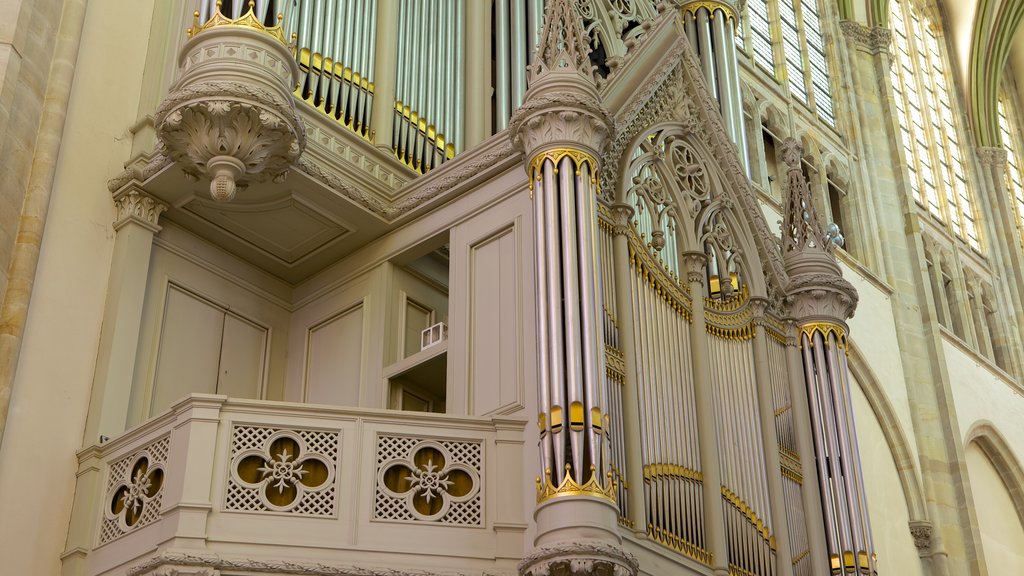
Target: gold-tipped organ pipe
<point x="552" y="225"/>
<point x="571" y="317"/>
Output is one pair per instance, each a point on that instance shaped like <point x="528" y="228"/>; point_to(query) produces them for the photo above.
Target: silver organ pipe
<point x="429" y="64"/>
<point x="711" y="30"/>
<point x="333" y="44"/>
<point x="517" y="24"/>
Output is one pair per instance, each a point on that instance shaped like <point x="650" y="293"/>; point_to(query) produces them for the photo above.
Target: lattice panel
<point x="115" y="524"/>
<point x="249" y="494"/>
<point x="464" y="459"/>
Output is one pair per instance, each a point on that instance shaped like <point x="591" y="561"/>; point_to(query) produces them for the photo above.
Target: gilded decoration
<point x="711" y="6"/>
<point x="248" y="20"/>
<point x="826" y="329"/>
<point x="655" y="275"/>
<point x="555" y="155"/>
<point x="546" y="490"/>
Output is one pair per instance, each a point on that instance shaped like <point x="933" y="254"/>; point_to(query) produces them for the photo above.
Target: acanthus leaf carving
<point x="135" y="205"/>
<point x="579" y="559"/>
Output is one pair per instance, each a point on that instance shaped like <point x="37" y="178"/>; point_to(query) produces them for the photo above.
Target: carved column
<point x="820" y="301"/>
<point x="562" y="128"/>
<point x="695" y="267"/>
<point x="621" y="214"/>
<point x="1006" y="255"/>
<point x="231" y="117"/>
<point x="136" y="222"/>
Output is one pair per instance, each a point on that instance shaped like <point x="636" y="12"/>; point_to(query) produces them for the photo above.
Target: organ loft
<point x="512" y="288"/>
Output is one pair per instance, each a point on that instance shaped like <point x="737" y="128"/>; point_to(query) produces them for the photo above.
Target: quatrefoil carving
<point x="282" y="471"/>
<point x="128" y="499"/>
<point x="429" y="480"/>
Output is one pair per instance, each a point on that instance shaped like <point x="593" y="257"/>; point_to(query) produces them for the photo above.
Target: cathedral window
<point x="802" y="49"/>
<point x="923" y="95"/>
<point x="1010" y="134"/>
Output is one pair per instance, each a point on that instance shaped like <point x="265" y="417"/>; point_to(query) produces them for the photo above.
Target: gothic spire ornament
<point x="564" y="46"/>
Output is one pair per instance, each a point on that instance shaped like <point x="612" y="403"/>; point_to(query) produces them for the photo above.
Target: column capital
<point x="991" y="155"/>
<point x="694" y="265"/>
<point x="921" y="531"/>
<point x="621" y="214"/>
<point x="136" y="205"/>
<point x="874" y="39"/>
<point x="562" y="108"/>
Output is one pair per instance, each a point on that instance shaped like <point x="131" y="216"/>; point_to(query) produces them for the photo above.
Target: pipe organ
<point x="334" y="44"/>
<point x="697" y="329"/>
<point x="710" y="27"/>
<point x="428" y="114"/>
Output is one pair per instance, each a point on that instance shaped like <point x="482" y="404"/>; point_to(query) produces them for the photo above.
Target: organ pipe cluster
<point x="710" y="27"/>
<point x="517" y="24"/>
<point x="572" y="392"/>
<point x="429" y="88"/>
<point x="334" y="46"/>
<point x="823" y="301"/>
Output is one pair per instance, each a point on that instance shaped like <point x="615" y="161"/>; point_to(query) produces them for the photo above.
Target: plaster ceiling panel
<point x="288" y="228"/>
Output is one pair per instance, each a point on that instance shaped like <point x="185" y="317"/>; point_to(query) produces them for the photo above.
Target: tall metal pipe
<point x="502" y="87"/>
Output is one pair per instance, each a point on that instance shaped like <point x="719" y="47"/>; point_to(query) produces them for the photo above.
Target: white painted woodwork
<point x="334" y="359"/>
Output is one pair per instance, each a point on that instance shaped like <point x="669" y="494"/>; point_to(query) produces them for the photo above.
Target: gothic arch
<point x="994" y="446"/>
<point x="895" y="438"/>
<point x="707" y="217"/>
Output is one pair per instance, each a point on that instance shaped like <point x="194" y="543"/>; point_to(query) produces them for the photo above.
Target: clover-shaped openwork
<point x="129" y="497"/>
<point x="282" y="471"/>
<point x="429" y="481"/>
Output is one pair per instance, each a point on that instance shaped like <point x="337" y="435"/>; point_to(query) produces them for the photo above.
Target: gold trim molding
<point x="710" y="6"/>
<point x="546" y="490"/>
<point x="247" y="20"/>
<point x="825" y="329"/>
<point x="579" y="157"/>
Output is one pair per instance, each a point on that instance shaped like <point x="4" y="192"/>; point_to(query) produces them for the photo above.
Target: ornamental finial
<point x="564" y="46"/>
<point x="801" y="229"/>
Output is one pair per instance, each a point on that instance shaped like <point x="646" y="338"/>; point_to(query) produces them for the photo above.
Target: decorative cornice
<point x="579" y="559"/>
<point x="441" y="180"/>
<point x="875" y="39"/>
<point x="921" y="531"/>
<point x="141" y="169"/>
<point x="135" y="205"/>
<point x="175" y="562"/>
<point x="991" y="155"/>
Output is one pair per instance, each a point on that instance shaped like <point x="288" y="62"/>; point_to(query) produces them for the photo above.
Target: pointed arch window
<point x="923" y="96"/>
<point x="1009" y="131"/>
<point x="802" y="52"/>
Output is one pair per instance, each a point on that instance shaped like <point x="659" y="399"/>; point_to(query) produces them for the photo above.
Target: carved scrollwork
<point x="232" y="132"/>
<point x="579" y="559"/>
